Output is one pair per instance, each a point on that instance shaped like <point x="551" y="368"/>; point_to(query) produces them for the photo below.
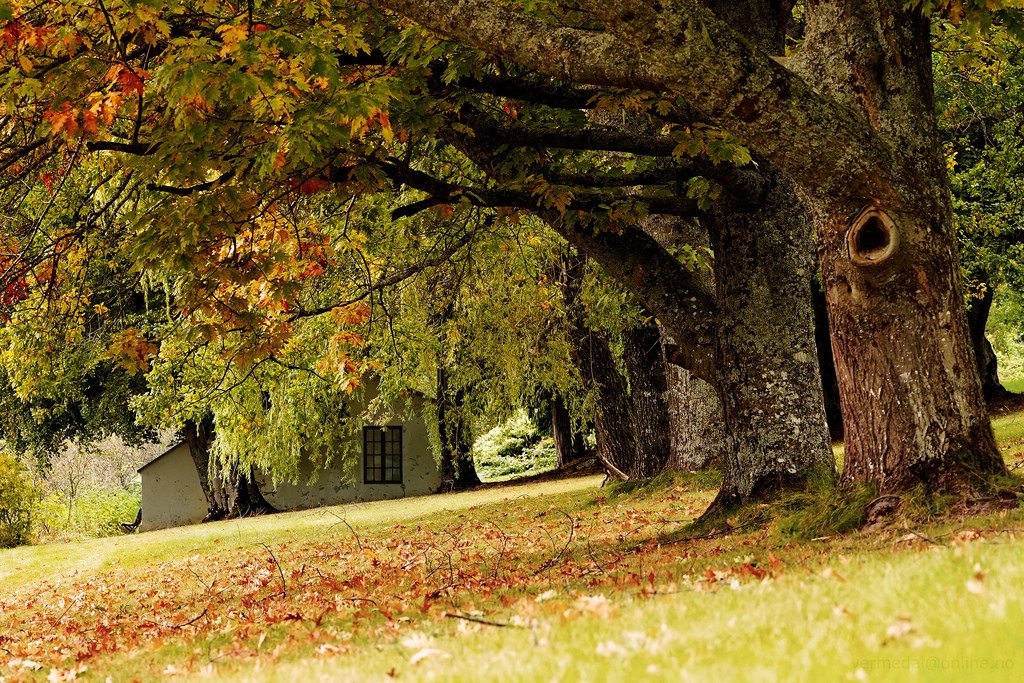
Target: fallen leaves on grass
<point x="332" y="597"/>
<point x="399" y="586"/>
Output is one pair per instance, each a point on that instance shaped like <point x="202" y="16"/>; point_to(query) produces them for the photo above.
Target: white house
<point x="394" y="460"/>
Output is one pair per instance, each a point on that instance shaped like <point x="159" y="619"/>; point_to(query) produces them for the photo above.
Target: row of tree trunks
<point x="230" y="494"/>
<point x="696" y="423"/>
<point x="849" y="118"/>
<point x="631" y="419"/>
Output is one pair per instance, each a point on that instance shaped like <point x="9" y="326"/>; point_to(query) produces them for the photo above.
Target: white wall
<point x="171" y="492"/>
<point x="343" y="483"/>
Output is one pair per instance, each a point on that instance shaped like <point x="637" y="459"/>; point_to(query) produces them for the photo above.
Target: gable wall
<point x="171" y="492"/>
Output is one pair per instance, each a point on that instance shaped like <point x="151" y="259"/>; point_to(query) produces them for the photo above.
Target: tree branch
<point x="443" y="192"/>
<point x="830" y="150"/>
<point x="192" y="189"/>
<point x="135" y="148"/>
<point x="401" y="275"/>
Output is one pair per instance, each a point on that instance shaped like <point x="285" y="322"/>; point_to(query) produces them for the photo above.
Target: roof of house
<point x="167" y="452"/>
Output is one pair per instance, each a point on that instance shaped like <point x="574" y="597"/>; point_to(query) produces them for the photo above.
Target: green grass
<point x="587" y="584"/>
<point x="812" y="625"/>
<point x="22" y="566"/>
<point x="1015" y="385"/>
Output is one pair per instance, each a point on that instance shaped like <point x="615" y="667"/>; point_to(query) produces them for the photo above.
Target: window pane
<point x="382" y="455"/>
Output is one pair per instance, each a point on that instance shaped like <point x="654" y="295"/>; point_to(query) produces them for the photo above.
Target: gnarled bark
<point x="911" y="395"/>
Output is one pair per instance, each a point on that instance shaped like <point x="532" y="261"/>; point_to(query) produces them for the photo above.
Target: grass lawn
<point x="1016" y="385"/>
<point x="560" y="580"/>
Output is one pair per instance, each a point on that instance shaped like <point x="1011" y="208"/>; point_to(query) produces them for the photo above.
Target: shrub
<point x="17" y="497"/>
<point x="97" y="511"/>
<point x="100" y="512"/>
<point x="514" y="448"/>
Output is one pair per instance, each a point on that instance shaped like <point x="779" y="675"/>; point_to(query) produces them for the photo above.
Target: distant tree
<point x="978" y="92"/>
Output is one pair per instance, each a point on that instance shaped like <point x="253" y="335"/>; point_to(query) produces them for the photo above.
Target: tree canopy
<point x="254" y="205"/>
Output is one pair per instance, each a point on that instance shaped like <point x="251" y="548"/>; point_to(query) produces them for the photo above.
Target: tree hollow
<point x="873" y="238"/>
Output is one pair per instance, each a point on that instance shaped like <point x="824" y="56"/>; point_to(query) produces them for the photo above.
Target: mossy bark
<point x="769" y="382"/>
<point x="695" y="423"/>
<point x="910" y="390"/>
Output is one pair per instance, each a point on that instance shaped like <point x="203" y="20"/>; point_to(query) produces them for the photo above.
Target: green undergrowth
<point x="702" y="479"/>
<point x="513" y="449"/>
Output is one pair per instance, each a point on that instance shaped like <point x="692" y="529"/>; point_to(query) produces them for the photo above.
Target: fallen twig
<point x="284" y="586"/>
<point x="181" y="625"/>
<point x="354" y="534"/>
<point x="572" y="534"/>
<point x="478" y="620"/>
<point x="923" y="537"/>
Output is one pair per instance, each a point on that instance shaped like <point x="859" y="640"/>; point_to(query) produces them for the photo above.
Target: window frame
<point x="387" y="433"/>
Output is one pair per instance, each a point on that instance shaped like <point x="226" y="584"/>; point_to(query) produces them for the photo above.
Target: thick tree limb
<point x="192" y="189"/>
<point x="134" y="148"/>
<point x="443" y="192"/>
<point x="568" y="54"/>
<point x="743" y="184"/>
<point x="830" y="150"/>
<point x="587" y="138"/>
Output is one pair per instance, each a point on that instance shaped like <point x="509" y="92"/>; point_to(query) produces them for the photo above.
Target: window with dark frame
<point x="382" y="455"/>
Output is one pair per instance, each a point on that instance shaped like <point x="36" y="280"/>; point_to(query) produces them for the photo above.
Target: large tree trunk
<point x="769" y="380"/>
<point x="648" y="398"/>
<point x="695" y="423"/>
<point x="988" y="364"/>
<point x="569" y="445"/>
<point x="769" y="385"/>
<point x="457" y="469"/>
<point x="616" y="441"/>
<point x="911" y="396"/>
<point x="228" y="494"/>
